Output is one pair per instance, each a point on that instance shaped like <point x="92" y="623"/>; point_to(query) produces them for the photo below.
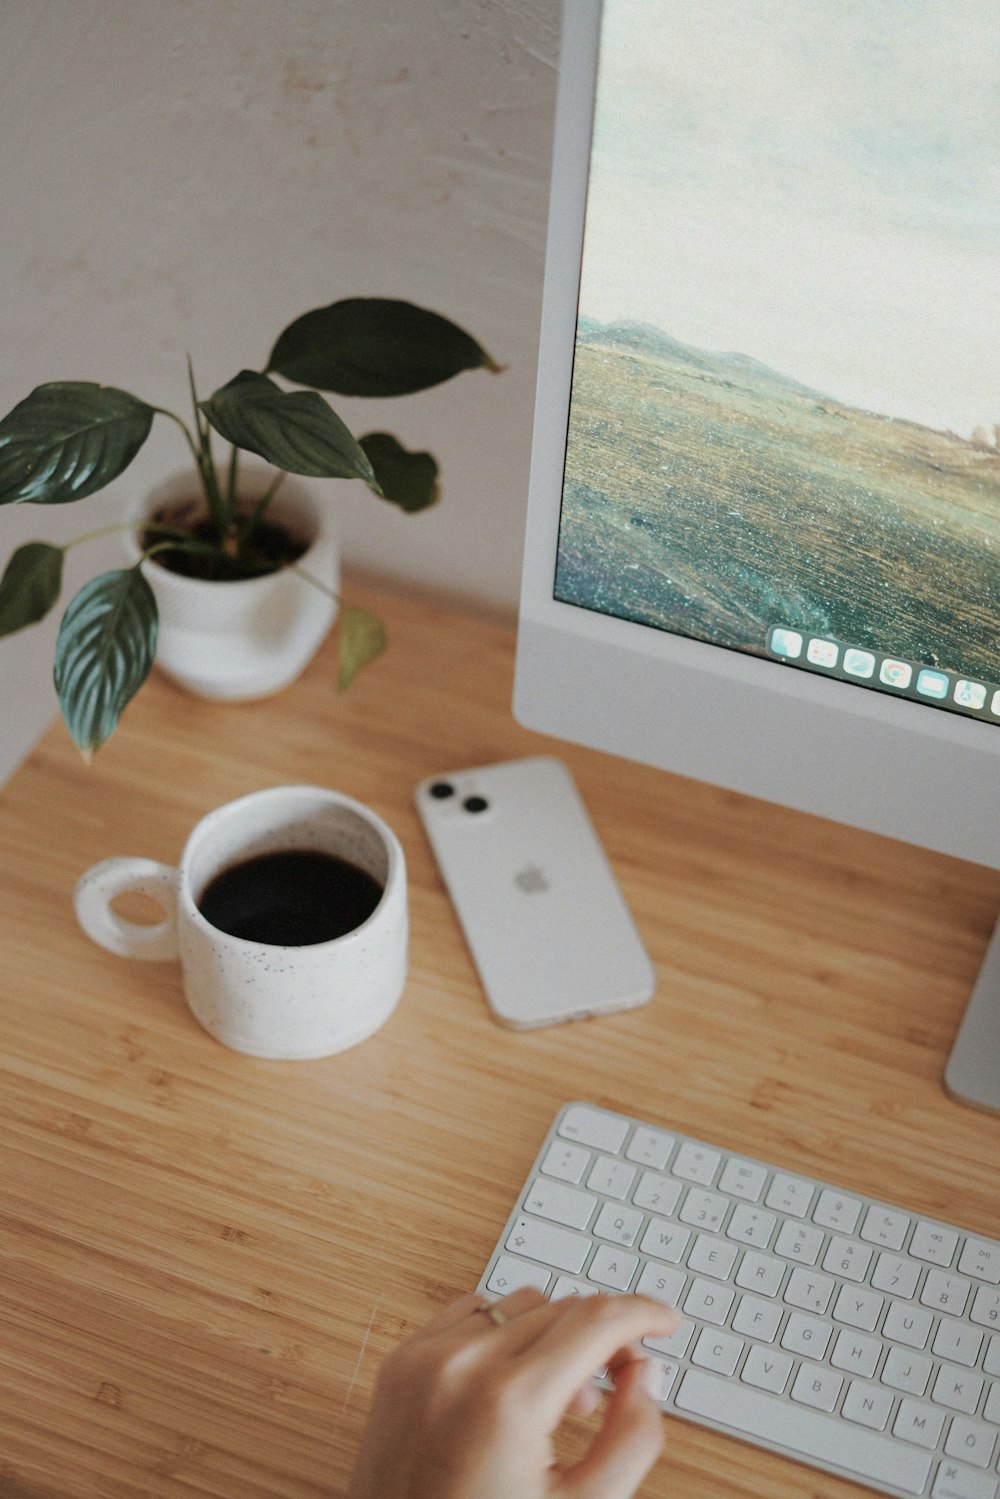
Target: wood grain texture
<point x="203" y="1257"/>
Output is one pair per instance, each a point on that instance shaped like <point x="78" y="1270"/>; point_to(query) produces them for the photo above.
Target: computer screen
<point x="763" y="544"/>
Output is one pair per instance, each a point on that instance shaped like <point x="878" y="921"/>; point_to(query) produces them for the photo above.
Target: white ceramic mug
<point x="269" y="1001"/>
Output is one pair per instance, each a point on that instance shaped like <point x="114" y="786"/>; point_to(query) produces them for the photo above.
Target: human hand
<point x="464" y="1409"/>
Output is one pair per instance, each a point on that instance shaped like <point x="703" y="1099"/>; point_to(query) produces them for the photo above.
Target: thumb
<point x="626" y="1446"/>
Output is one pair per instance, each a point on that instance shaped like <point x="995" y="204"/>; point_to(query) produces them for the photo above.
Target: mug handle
<point x="99" y="886"/>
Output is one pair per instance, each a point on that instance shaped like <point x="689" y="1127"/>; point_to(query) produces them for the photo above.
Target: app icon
<point x="822" y="652"/>
<point x="859" y="663"/>
<point x="932" y="683"/>
<point x="895" y="673"/>
<point x="786" y="642"/>
<point x="970" y="694"/>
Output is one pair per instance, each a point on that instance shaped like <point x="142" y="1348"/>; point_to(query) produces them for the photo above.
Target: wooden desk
<point x="203" y="1257"/>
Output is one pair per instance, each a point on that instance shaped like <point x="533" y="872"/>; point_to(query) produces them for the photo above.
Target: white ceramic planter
<point x="248" y="639"/>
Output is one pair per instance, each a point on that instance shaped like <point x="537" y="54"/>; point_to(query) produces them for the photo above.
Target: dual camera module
<point x="442" y="790"/>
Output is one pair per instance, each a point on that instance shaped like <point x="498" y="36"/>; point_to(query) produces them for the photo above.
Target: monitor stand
<point x="972" y="1075"/>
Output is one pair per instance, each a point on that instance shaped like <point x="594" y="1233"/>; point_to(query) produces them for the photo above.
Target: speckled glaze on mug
<point x="284" y="1003"/>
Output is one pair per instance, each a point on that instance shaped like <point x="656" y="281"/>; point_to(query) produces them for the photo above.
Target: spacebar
<point x="813" y="1436"/>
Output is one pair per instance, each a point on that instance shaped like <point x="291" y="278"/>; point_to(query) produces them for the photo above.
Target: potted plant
<point x="68" y="439"/>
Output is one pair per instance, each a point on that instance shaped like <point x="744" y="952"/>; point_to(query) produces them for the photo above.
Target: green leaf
<point x="30" y="585"/>
<point x="68" y="439"/>
<point x="409" y="480"/>
<point x="374" y="346"/>
<point x="104" y="653"/>
<point x="362" y="638"/>
<point x="295" y="430"/>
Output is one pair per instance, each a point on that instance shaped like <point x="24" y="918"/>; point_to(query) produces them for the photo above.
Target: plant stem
<point x="117" y="530"/>
<point x="253" y="519"/>
<point x="234" y="458"/>
<point x="221" y="515"/>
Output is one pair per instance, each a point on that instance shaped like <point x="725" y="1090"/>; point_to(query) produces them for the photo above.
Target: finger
<point x="586" y="1400"/>
<point x="626" y="1447"/>
<point x="458" y="1313"/>
<point x="589" y="1334"/>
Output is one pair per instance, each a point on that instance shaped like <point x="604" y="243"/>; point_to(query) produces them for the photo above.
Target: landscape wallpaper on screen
<point x="786" y="394"/>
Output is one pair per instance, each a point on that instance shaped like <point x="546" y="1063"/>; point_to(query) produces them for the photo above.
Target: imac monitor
<point x="763" y="543"/>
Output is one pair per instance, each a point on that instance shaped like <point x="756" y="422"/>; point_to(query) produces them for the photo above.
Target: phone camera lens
<point x="441" y="790"/>
<point x="475" y="804"/>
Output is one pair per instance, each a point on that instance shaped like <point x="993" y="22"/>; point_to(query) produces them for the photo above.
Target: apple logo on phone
<point x="531" y="879"/>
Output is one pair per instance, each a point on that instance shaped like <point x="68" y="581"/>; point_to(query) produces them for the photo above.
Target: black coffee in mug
<point x="292" y="898"/>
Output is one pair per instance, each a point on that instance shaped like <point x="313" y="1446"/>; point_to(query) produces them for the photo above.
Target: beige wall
<point x="189" y="175"/>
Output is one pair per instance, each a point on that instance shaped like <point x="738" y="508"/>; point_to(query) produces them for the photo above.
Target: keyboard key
<point x="837" y="1211"/>
<point x="867" y="1405"/>
<point x="667" y="1372"/>
<point x="986" y="1307"/>
<point x="799" y="1241"/>
<point x="991" y="1410"/>
<point x="619" y="1224"/>
<point x="648" y="1147"/>
<point x="858" y="1308"/>
<point x="848" y="1258"/>
<point x="973" y="1441"/>
<point x="896" y="1275"/>
<point x="513" y="1275"/>
<point x="662" y="1283"/>
<point x="712" y="1256"/>
<point x="945" y="1293"/>
<point x="658" y="1194"/>
<point x="591" y="1127"/>
<point x="809" y="1290"/>
<point x="696" y="1163"/>
<point x="886" y="1227"/>
<point x="789" y="1194"/>
<point x="743" y="1179"/>
<point x="906" y="1371"/>
<point x="677" y="1343"/>
<point x="760" y="1272"/>
<point x="709" y="1302"/>
<point x="704" y="1210"/>
<point x="908" y="1324"/>
<point x="981" y="1258"/>
<point x="856" y="1354"/>
<point x="916" y="1422"/>
<point x="559" y="1203"/>
<point x="812" y="1434"/>
<point x="567" y="1162"/>
<point x="566" y="1286"/>
<point x="717" y="1350"/>
<point x="809" y="1336"/>
<point x="553" y="1246"/>
<point x="610" y="1177"/>
<point x="613" y="1267"/>
<point x="954" y="1481"/>
<point x="665" y="1240"/>
<point x="758" y="1318"/>
<point x="934" y="1244"/>
<point x="816" y="1386"/>
<point x="767" y="1369"/>
<point x="750" y="1225"/>
<point x="961" y="1344"/>
<point x="958" y="1389"/>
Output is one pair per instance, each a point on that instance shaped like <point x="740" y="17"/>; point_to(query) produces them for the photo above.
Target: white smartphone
<point x="545" y="921"/>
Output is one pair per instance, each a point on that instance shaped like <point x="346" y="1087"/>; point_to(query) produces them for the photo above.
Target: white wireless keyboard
<point x="852" y="1335"/>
